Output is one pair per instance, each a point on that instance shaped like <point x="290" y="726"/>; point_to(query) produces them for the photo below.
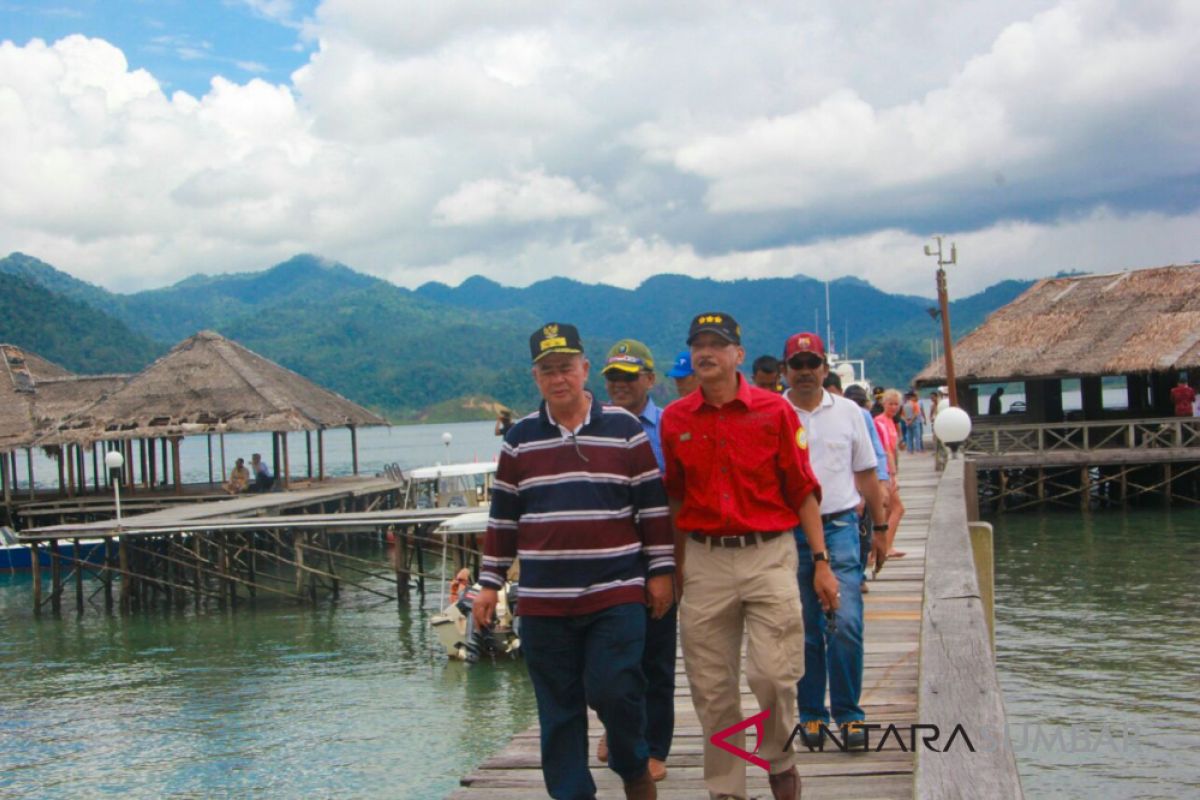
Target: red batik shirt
<point x="740" y="468"/>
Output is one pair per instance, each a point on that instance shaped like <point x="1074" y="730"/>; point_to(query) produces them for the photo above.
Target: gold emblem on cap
<point x="550" y="330"/>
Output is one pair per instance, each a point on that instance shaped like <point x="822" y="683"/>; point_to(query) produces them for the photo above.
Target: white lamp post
<point x="447" y="438"/>
<point x="952" y="425"/>
<point x="115" y="461"/>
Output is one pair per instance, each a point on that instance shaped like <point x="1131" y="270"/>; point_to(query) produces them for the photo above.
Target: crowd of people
<point x="753" y="507"/>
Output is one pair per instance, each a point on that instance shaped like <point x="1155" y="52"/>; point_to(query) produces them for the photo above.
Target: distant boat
<point x="16" y="555"/>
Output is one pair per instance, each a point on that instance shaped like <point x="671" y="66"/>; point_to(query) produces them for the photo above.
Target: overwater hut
<point x="35" y="394"/>
<point x="1087" y="336"/>
<point x="207" y="385"/>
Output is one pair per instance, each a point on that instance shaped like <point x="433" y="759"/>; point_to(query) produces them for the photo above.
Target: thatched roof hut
<point x="1137" y="322"/>
<point x="35" y="394"/>
<point x="210" y="384"/>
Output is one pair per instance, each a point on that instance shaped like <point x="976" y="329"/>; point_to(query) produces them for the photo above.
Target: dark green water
<point x="1098" y="648"/>
<point x="277" y="702"/>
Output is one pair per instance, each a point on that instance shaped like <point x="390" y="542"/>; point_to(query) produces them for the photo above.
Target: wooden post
<point x="35" y="566"/>
<point x="298" y="547"/>
<point x="69" y="457"/>
<point x="152" y="452"/>
<point x="78" y="576"/>
<point x="147" y="481"/>
<point x="1085" y="487"/>
<point x="96" y="466"/>
<point x="175" y="464"/>
<point x="165" y="462"/>
<point x="354" y="448"/>
<point x="971" y="490"/>
<point x="197" y="578"/>
<point x="287" y="472"/>
<point x="29" y="471"/>
<point x="4" y="470"/>
<point x="126" y="580"/>
<point x="55" y="579"/>
<point x="224" y="470"/>
<point x="308" y="451"/>
<point x="210" y="461"/>
<point x="320" y="454"/>
<point x="127" y="453"/>
<point x="108" y="575"/>
<point x="985" y="573"/>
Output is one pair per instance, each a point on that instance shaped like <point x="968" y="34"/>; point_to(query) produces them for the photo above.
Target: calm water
<point x="1098" y="647"/>
<point x="1098" y="632"/>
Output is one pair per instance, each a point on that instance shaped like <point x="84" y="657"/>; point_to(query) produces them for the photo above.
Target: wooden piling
<point x="55" y="579"/>
<point x="78" y="576"/>
<point x="35" y="567"/>
<point x="126" y="596"/>
<point x="108" y="574"/>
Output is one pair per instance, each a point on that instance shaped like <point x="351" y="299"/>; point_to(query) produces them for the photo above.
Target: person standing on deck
<point x="839" y="448"/>
<point x="885" y="423"/>
<point x="1183" y="396"/>
<point x="629" y="377"/>
<point x="765" y="373"/>
<point x="579" y="498"/>
<point x="738" y="484"/>
<point x="263" y="480"/>
<point x="994" y="405"/>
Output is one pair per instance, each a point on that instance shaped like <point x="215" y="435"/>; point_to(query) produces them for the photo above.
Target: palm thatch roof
<point x="35" y="394"/>
<point x="210" y="384"/>
<point x="1134" y="322"/>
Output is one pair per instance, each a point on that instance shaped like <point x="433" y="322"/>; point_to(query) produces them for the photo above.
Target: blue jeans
<point x="836" y="660"/>
<point x="658" y="664"/>
<point x="913" y="436"/>
<point x="598" y="656"/>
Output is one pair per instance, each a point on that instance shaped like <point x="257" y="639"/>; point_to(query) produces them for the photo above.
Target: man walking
<point x="738" y="484"/>
<point x="840" y="451"/>
<point x="629" y="377"/>
<point x="579" y="498"/>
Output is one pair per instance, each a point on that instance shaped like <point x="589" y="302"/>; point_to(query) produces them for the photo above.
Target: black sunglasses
<point x="621" y="376"/>
<point x="805" y="362"/>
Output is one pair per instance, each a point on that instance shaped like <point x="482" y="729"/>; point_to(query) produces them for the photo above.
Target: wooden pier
<point x="903" y="683"/>
<point x="297" y="545"/>
<point x="1087" y="464"/>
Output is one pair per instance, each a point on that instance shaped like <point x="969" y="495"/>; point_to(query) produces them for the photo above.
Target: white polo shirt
<point x="838" y="446"/>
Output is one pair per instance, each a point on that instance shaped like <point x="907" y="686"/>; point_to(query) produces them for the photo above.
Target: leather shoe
<point x="785" y="785"/>
<point x="641" y="788"/>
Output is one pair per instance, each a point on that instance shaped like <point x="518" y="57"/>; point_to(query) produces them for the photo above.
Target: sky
<point x="142" y="141"/>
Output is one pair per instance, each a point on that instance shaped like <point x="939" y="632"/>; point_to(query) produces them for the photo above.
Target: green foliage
<point x="67" y="332"/>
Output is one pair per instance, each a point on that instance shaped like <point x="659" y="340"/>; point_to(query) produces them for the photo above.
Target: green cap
<point x="629" y="355"/>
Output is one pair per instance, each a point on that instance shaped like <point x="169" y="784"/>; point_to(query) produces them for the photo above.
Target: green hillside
<point x="445" y="352"/>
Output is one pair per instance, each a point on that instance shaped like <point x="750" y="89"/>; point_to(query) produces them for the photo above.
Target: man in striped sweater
<point x="579" y="499"/>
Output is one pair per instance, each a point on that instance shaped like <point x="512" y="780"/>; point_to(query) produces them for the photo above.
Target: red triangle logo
<point x="720" y="738"/>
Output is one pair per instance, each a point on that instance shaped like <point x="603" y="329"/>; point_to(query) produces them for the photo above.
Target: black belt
<point x="827" y="518"/>
<point x="737" y="540"/>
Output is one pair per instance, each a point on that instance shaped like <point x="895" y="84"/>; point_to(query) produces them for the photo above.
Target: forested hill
<point x="412" y="354"/>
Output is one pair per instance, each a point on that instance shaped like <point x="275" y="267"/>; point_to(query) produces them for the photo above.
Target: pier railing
<point x="1133" y="434"/>
<point x="957" y="684"/>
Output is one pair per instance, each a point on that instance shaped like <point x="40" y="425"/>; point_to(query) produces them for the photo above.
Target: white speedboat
<point x="457" y="635"/>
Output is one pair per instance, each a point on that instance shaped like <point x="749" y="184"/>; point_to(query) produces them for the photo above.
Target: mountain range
<point x="420" y="354"/>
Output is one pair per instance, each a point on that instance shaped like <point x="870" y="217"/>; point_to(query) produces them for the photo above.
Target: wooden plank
<point x="958" y="684"/>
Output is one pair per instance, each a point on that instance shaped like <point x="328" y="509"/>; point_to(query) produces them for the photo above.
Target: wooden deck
<point x="893" y="629"/>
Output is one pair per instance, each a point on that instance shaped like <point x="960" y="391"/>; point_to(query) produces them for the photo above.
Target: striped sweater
<point x="586" y="513"/>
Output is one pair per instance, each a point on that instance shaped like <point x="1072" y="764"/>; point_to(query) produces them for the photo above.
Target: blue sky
<point x="183" y="43"/>
<point x="607" y="142"/>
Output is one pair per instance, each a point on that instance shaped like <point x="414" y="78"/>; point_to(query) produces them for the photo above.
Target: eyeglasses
<point x="805" y="362"/>
<point x="621" y="376"/>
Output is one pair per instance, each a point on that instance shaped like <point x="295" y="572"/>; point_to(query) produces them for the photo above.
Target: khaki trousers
<point x="726" y="591"/>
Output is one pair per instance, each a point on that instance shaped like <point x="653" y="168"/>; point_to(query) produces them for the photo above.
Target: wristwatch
<point x="879" y="528"/>
<point x="821" y="555"/>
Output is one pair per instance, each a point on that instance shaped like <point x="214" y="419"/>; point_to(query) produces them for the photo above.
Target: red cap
<point x="804" y="343"/>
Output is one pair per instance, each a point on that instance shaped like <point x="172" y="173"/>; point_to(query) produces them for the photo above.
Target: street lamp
<point x="952" y="425"/>
<point x="115" y="461"/>
<point x="944" y="308"/>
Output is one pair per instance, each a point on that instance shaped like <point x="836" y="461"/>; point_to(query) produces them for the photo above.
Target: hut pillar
<point x="175" y="464"/>
<point x="1161" y="384"/>
<point x="81" y="461"/>
<point x="1091" y="392"/>
<point x="275" y="455"/>
<point x="147" y="481"/>
<point x="68" y="455"/>
<point x="354" y="447"/>
<point x="320" y="454"/>
<point x="29" y="470"/>
<point x="1135" y="391"/>
<point x="62" y="479"/>
<point x="1043" y="400"/>
<point x="5" y="470"/>
<point x="308" y="451"/>
<point x="210" y="460"/>
<point x="165" y="462"/>
<point x="127" y="448"/>
<point x="287" y="470"/>
<point x="151" y="452"/>
<point x="96" y="466"/>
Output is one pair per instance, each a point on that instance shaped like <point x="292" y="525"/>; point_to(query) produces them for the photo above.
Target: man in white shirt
<point x="841" y="454"/>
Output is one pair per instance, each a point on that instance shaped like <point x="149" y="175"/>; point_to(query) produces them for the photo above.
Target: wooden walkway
<point x="893" y="625"/>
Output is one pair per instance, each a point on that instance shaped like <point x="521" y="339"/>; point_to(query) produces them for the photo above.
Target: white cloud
<point x="530" y="197"/>
<point x="613" y="141"/>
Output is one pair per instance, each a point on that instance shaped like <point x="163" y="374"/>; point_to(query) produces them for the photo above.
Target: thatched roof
<point x="35" y="394"/>
<point x="1140" y="321"/>
<point x="210" y="384"/>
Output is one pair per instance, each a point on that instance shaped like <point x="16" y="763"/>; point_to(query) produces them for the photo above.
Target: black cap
<point x="717" y="322"/>
<point x="554" y="337"/>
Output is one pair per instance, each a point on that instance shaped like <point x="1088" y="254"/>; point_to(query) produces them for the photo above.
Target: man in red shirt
<point x="737" y="483"/>
<point x="1183" y="396"/>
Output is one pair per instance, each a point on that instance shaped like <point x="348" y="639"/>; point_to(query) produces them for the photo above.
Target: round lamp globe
<point x="952" y="426"/>
<point x="114" y="460"/>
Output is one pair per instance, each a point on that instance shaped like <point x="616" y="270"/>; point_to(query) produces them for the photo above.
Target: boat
<point x="457" y="637"/>
<point x="449" y="485"/>
<point x="17" y="555"/>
